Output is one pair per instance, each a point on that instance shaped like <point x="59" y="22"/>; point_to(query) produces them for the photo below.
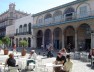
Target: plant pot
<point x="6" y="51"/>
<point x="23" y="52"/>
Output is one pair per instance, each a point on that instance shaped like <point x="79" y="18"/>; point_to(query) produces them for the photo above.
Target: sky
<point x="32" y="6"/>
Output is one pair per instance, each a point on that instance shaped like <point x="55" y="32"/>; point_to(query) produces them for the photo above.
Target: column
<point x="92" y="40"/>
<point x="43" y="40"/>
<point x="52" y="38"/>
<point x="63" y="40"/>
<point x="76" y="41"/>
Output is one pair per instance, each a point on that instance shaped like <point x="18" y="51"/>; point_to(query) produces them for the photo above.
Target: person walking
<point x="14" y="48"/>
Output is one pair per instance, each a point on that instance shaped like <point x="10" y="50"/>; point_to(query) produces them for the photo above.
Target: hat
<point x="32" y="50"/>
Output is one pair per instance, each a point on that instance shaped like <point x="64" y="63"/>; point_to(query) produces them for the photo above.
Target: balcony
<point x="65" y="19"/>
<point x="2" y="34"/>
<point x="3" y="27"/>
<point x="23" y="33"/>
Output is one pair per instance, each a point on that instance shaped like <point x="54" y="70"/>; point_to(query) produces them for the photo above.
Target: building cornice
<point x="59" y="7"/>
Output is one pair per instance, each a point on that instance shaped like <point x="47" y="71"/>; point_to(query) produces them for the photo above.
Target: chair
<point x="13" y="69"/>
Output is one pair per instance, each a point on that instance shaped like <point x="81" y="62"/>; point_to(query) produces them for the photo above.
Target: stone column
<point x="92" y="40"/>
<point x="52" y="38"/>
<point x="43" y="40"/>
<point x="76" y="41"/>
<point x="63" y="40"/>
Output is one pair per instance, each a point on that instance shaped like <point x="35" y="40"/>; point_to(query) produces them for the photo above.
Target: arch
<point x="25" y="39"/>
<point x="57" y="38"/>
<point x="20" y="29"/>
<point x="39" y="38"/>
<point x="47" y="37"/>
<point x="17" y="42"/>
<point x="25" y="28"/>
<point x="29" y="42"/>
<point x="29" y="28"/>
<point x="69" y="38"/>
<point x="84" y="37"/>
<point x="68" y="13"/>
<point x="57" y="16"/>
<point x="57" y="13"/>
<point x="83" y="12"/>
<point x="48" y="16"/>
<point x="39" y="20"/>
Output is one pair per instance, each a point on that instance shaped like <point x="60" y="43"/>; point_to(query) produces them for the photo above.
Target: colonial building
<point x="23" y="30"/>
<point x="8" y="17"/>
<point x="71" y="24"/>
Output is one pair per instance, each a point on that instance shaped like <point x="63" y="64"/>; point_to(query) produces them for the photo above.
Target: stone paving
<point x="78" y="66"/>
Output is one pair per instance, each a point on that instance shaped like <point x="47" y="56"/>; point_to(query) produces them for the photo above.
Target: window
<point x="16" y="31"/>
<point x="83" y="11"/>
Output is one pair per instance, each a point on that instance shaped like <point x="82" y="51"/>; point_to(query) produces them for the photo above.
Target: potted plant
<point x="23" y="43"/>
<point x="6" y="42"/>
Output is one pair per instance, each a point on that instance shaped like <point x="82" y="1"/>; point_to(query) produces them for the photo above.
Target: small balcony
<point x="23" y="33"/>
<point x="64" y="19"/>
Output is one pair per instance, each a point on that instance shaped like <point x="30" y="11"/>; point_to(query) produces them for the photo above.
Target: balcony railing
<point x="65" y="18"/>
<point x="23" y="33"/>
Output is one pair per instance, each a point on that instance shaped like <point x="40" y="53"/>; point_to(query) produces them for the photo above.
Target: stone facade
<point x="70" y="25"/>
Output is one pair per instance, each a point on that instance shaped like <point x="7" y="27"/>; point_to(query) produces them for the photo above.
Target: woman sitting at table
<point x="63" y="52"/>
<point x="68" y="65"/>
<point x="11" y="61"/>
<point x="32" y="57"/>
<point x="60" y="59"/>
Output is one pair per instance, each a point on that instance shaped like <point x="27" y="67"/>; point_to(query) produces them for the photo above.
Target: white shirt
<point x="33" y="56"/>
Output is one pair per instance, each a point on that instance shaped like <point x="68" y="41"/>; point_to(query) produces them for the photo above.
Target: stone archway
<point x="19" y="41"/>
<point x="69" y="38"/>
<point x="39" y="38"/>
<point x="47" y="37"/>
<point x="57" y="38"/>
<point x="84" y="37"/>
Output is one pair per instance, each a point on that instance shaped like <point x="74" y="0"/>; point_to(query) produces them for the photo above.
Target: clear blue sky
<point x="32" y="6"/>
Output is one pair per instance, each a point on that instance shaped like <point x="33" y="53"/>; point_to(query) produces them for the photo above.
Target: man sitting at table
<point x="32" y="58"/>
<point x="68" y="65"/>
<point x="60" y="59"/>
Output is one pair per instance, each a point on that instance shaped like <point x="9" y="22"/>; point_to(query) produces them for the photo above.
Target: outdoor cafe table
<point x="51" y="65"/>
<point x="22" y="62"/>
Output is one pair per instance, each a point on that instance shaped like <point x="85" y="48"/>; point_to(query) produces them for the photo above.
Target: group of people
<point x="11" y="62"/>
<point x="64" y="59"/>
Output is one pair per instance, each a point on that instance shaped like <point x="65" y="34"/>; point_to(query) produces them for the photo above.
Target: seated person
<point x="49" y="53"/>
<point x="32" y="56"/>
<point x="68" y="65"/>
<point x="11" y="61"/>
<point x="60" y="59"/>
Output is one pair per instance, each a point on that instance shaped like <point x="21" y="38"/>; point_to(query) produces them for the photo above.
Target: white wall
<point x="22" y="21"/>
<point x="10" y="30"/>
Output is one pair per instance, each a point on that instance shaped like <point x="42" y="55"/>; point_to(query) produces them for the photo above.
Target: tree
<point x="23" y="43"/>
<point x="1" y="43"/>
<point x="6" y="41"/>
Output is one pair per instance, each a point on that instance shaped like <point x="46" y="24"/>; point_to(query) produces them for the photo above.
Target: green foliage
<point x="6" y="40"/>
<point x="1" y="42"/>
<point x="23" y="43"/>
